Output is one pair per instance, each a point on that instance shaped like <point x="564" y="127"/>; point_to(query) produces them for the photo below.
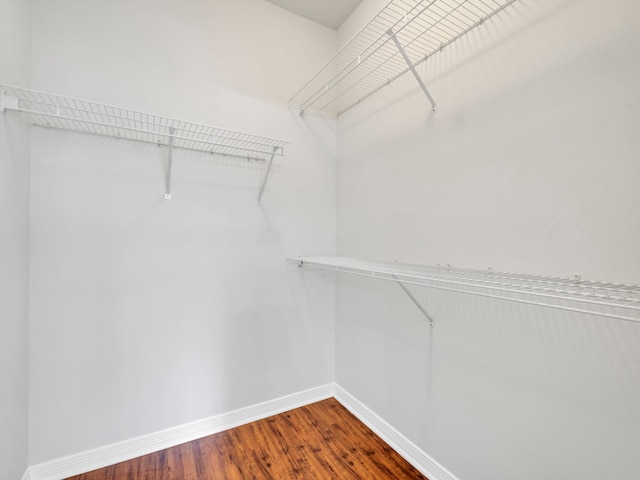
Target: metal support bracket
<point x="414" y="300"/>
<point x="413" y="69"/>
<point x="404" y="289"/>
<point x="167" y="194"/>
<point x="266" y="174"/>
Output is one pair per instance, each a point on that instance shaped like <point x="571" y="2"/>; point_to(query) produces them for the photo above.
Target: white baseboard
<point x="136" y="447"/>
<point x="407" y="449"/>
<point x="119" y="452"/>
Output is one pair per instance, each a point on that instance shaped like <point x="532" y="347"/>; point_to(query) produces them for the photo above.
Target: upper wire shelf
<point x="375" y="56"/>
<point x="619" y="301"/>
<point x="55" y="111"/>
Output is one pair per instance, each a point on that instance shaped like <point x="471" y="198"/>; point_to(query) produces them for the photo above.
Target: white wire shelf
<point x="402" y="35"/>
<point x="55" y="111"/>
<point x="618" y="301"/>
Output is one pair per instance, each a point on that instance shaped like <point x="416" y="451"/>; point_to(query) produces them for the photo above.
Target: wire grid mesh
<point x="55" y="111"/>
<point x="370" y="60"/>
<point x="620" y="301"/>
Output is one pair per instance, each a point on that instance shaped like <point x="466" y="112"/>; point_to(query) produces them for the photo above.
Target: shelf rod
<point x="139" y="130"/>
<point x="266" y="174"/>
<point x="373" y="274"/>
<point x="103" y="113"/>
<point x="354" y="63"/>
<point x="422" y="31"/>
<point x="167" y="194"/>
<point x="511" y="289"/>
<point x="413" y="69"/>
<point x="414" y="300"/>
<point x="344" y="48"/>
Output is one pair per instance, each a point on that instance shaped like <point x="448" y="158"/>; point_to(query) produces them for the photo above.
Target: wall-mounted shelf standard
<point x="55" y="111"/>
<point x="402" y="35"/>
<point x="618" y="301"/>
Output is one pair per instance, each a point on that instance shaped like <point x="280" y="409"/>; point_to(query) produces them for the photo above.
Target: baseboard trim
<point x="119" y="452"/>
<point x="401" y="444"/>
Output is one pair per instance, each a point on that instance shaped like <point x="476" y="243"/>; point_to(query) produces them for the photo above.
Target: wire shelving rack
<point x="56" y="111"/>
<point x="611" y="300"/>
<point x="402" y="35"/>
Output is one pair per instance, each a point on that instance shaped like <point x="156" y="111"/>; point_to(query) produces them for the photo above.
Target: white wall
<point x="531" y="166"/>
<point x="148" y="313"/>
<point x="14" y="245"/>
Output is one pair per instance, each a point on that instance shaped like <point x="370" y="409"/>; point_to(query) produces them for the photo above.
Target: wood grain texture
<point x="319" y="441"/>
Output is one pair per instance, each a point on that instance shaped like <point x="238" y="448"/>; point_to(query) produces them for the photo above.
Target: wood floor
<point x="319" y="441"/>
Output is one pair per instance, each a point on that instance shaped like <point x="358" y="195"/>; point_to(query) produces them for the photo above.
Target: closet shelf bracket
<point x="266" y="174"/>
<point x="167" y="194"/>
<point x="402" y="286"/>
<point x="413" y="69"/>
<point x="414" y="300"/>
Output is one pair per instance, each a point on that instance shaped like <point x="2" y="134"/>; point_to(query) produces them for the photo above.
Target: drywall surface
<point x="14" y="245"/>
<point x="495" y="389"/>
<point x="150" y="313"/>
<point x="530" y="166"/>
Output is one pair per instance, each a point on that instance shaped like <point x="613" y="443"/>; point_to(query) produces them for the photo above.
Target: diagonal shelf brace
<point x="266" y="174"/>
<point x="413" y="69"/>
<point x="414" y="300"/>
<point x="167" y="193"/>
<point x="404" y="288"/>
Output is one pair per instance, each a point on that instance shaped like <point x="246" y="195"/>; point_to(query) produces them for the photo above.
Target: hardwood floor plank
<point x="321" y="441"/>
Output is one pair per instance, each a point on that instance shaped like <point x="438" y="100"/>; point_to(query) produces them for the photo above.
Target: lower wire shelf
<point x="610" y="300"/>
